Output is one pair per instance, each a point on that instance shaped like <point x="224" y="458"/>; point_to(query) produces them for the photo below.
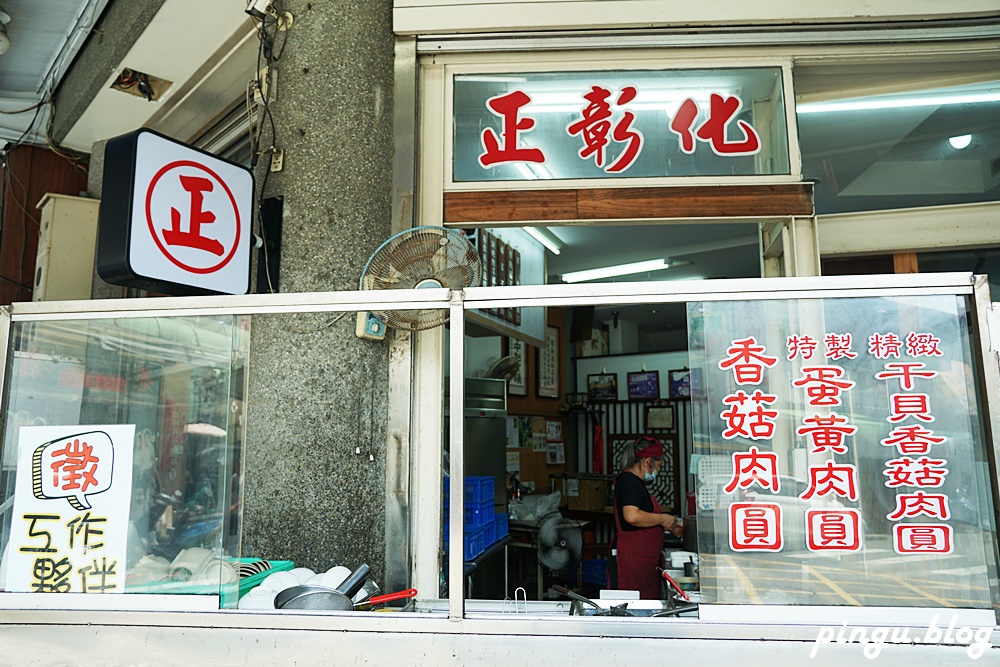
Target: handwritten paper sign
<point x="71" y="509"/>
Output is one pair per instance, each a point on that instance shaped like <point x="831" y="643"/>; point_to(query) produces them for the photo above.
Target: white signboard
<point x="191" y="216"/>
<point x="71" y="509"/>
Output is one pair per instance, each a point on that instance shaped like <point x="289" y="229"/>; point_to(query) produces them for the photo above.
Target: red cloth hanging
<point x="598" y="462"/>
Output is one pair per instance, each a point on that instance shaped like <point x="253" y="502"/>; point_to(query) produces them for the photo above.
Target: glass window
<point x="840" y="453"/>
<point x="923" y="146"/>
<point x="614" y="124"/>
<point x="121" y="456"/>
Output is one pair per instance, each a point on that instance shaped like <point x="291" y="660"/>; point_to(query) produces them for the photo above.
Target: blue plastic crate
<point x="474" y="541"/>
<point x="502" y="524"/>
<point x="478" y="515"/>
<point x="594" y="571"/>
<point x="478" y="489"/>
<point x="489" y="535"/>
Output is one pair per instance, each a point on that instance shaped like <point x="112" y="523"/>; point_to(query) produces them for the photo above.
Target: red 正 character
<point x="755" y="527"/>
<point x="754" y="467"/>
<point x="881" y="346"/>
<point x="827" y="432"/>
<point x="922" y="538"/>
<point x="196" y="187"/>
<point x="747" y="359"/>
<point x="833" y="530"/>
<point x="923" y="345"/>
<point x="715" y="129"/>
<point x="73" y="466"/>
<point x="507" y="107"/>
<point x="823" y="384"/>
<point x="923" y="472"/>
<point x="747" y="417"/>
<point x="912" y="439"/>
<point x="934" y="505"/>
<point x="906" y="372"/>
<point x="838" y="346"/>
<point x="837" y="478"/>
<point x="902" y="406"/>
<point x="803" y="346"/>
<point x="595" y="125"/>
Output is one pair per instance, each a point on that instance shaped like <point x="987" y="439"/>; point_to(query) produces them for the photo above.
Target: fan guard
<point x="559" y="541"/>
<point x="420" y="258"/>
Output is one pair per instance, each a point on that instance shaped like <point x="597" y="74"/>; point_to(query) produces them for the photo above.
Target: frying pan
<point x="321" y="597"/>
<point x="388" y="597"/>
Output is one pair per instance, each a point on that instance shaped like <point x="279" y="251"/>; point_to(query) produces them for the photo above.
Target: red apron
<point x="639" y="552"/>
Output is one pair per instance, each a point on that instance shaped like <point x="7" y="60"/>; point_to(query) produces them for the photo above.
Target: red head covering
<point x="651" y="448"/>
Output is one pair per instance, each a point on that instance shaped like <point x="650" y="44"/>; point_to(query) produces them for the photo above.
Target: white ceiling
<point x="45" y="36"/>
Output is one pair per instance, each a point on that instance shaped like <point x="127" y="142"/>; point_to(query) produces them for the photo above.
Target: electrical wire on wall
<point x="271" y="40"/>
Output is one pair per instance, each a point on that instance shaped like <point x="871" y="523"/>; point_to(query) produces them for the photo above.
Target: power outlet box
<point x="370" y="327"/>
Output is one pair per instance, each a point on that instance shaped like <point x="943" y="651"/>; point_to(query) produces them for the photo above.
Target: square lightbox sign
<point x="174" y="219"/>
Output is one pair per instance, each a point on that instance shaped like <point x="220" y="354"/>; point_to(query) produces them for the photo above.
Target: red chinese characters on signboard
<point x="748" y="417"/>
<point x="747" y="360"/>
<point x="715" y="129"/>
<point x="827" y="432"/>
<point x="504" y="149"/>
<point x="823" y="384"/>
<point x="754" y="467"/>
<point x="838" y="479"/>
<point x="933" y="505"/>
<point x="833" y="530"/>
<point x="912" y="440"/>
<point x="882" y="346"/>
<point x="755" y="527"/>
<point x="194" y="226"/>
<point x="838" y="346"/>
<point x="922" y="538"/>
<point x="801" y="346"/>
<point x="923" y="345"/>
<point x="923" y="472"/>
<point x="74" y="467"/>
<point x="595" y="125"/>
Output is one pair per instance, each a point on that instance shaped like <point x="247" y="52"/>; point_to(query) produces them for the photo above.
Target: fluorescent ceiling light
<point x="617" y="270"/>
<point x="546" y="238"/>
<point x="961" y="141"/>
<point x="899" y="102"/>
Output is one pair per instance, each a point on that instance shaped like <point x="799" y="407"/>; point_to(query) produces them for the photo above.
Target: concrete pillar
<point x="315" y="488"/>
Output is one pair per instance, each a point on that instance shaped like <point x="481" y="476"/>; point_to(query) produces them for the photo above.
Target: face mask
<point x="650" y="476"/>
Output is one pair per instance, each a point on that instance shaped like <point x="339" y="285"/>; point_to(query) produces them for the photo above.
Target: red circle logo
<point x="193" y="200"/>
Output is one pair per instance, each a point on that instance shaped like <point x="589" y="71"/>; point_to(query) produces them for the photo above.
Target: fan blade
<point x="554" y="559"/>
<point x="574" y="541"/>
<point x="548" y="533"/>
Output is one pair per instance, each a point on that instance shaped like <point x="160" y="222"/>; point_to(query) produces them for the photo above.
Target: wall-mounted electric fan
<point x="559" y="541"/>
<point x="418" y="258"/>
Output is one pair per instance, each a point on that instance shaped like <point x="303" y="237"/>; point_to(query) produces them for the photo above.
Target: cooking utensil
<point x="388" y="597"/>
<point x="619" y="610"/>
<point x="322" y="597"/>
<point x="673" y="583"/>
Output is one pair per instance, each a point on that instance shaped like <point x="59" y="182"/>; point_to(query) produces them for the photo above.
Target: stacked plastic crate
<point x="480" y="525"/>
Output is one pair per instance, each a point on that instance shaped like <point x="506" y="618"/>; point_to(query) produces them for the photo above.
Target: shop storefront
<point x="915" y="564"/>
<point x="831" y="442"/>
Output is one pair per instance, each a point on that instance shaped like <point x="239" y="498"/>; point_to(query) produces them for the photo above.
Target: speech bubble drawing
<point x="73" y="467"/>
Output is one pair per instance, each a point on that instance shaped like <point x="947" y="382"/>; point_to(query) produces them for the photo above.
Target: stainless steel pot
<point x="322" y="597"/>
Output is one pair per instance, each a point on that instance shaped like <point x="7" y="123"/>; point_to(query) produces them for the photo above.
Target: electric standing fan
<point x="559" y="541"/>
<point x="418" y="258"/>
